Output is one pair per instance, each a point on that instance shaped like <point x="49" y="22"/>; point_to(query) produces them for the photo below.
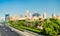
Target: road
<point x="7" y="32"/>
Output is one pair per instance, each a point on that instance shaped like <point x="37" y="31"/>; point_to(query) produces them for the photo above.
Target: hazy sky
<point x="20" y="6"/>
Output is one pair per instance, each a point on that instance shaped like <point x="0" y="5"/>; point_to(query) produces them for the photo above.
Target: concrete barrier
<point x="21" y="33"/>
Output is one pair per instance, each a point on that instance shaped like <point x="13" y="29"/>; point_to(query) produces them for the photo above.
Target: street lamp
<point x="6" y="18"/>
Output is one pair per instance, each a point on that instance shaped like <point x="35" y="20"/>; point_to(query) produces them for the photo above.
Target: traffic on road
<point x="6" y="31"/>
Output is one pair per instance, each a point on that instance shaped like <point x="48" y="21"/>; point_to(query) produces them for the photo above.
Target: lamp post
<point x="6" y="18"/>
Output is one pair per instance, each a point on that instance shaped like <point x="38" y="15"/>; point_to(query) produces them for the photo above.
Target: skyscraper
<point x="53" y="15"/>
<point x="44" y="15"/>
<point x="27" y="13"/>
<point x="30" y="15"/>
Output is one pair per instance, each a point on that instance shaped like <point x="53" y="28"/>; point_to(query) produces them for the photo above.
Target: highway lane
<point x="7" y="32"/>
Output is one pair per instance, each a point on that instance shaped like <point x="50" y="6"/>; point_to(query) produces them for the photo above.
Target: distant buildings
<point x="36" y="14"/>
<point x="44" y="15"/>
<point x="27" y="13"/>
<point x="28" y="16"/>
<point x="10" y="18"/>
<point x="55" y="16"/>
<point x="15" y="18"/>
<point x="2" y="19"/>
<point x="21" y="15"/>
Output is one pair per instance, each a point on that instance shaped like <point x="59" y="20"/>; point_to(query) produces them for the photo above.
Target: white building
<point x="44" y="15"/>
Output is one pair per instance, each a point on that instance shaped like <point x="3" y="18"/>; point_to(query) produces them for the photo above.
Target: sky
<point x="20" y="6"/>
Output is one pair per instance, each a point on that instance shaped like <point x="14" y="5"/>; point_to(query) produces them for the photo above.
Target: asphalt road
<point x="7" y="32"/>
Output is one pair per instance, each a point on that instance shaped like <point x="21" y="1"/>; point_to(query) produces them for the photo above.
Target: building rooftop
<point x="36" y="14"/>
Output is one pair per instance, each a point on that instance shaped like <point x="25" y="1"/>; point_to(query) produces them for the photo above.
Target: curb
<point x="21" y="33"/>
<point x="34" y="33"/>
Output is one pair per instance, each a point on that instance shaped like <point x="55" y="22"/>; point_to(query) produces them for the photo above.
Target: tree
<point x="51" y="27"/>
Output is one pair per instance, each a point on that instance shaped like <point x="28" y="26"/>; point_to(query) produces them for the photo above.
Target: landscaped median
<point x="51" y="26"/>
<point x="26" y="31"/>
<point x="20" y="25"/>
<point x="31" y="29"/>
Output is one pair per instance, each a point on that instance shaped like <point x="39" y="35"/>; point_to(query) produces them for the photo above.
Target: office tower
<point x="27" y="13"/>
<point x="53" y="15"/>
<point x="44" y="15"/>
<point x="30" y="15"/>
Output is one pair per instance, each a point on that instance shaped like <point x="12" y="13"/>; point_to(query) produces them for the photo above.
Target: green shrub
<point x="51" y="27"/>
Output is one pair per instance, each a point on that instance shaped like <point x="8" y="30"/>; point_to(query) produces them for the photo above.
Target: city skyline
<point x="20" y="6"/>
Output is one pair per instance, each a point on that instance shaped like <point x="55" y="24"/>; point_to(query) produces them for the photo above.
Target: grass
<point x="27" y="28"/>
<point x="31" y="29"/>
<point x="24" y="27"/>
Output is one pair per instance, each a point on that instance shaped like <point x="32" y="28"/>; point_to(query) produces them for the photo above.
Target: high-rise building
<point x="15" y="18"/>
<point x="27" y="13"/>
<point x="30" y="15"/>
<point x="44" y="15"/>
<point x="53" y="15"/>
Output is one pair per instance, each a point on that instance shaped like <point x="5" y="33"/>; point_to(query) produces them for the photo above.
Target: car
<point x="7" y="27"/>
<point x="11" y="29"/>
<point x="2" y="25"/>
<point x="4" y="28"/>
